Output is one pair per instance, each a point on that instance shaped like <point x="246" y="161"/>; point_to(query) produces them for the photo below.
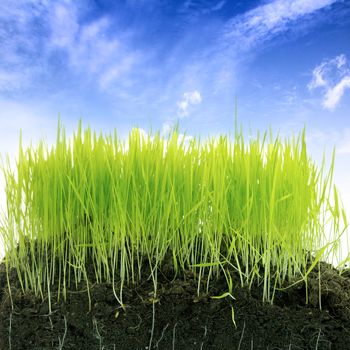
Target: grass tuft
<point x="259" y="207"/>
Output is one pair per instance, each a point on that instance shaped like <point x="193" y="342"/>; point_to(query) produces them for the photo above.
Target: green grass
<point x="215" y="205"/>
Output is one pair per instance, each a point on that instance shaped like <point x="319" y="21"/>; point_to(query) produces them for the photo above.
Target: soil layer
<point x="178" y="319"/>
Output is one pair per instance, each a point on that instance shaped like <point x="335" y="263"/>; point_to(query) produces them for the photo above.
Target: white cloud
<point x="326" y="70"/>
<point x="233" y="42"/>
<point x="334" y="94"/>
<point x="263" y="22"/>
<point x="98" y="52"/>
<point x="20" y="48"/>
<point x="317" y="77"/>
<point x="189" y="98"/>
<point x="114" y="72"/>
<point x="89" y="47"/>
<point x="32" y="33"/>
<point x="64" y="25"/>
<point x="166" y="128"/>
<point x="197" y="8"/>
<point x="333" y="76"/>
<point x="218" y="6"/>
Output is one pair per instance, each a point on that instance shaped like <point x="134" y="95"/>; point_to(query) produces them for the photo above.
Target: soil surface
<point x="180" y="319"/>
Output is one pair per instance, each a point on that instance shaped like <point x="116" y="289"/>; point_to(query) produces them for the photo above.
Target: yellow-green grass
<point x="217" y="205"/>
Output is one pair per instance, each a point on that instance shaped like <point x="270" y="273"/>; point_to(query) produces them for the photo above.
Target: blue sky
<point x="151" y="63"/>
<point x="119" y="64"/>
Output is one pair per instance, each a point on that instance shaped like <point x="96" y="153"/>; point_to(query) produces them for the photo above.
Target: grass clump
<point x="258" y="207"/>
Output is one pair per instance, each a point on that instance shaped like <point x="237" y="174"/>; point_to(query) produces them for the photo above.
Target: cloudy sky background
<point x="120" y="64"/>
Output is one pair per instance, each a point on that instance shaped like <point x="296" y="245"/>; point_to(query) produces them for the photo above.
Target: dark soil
<point x="181" y="320"/>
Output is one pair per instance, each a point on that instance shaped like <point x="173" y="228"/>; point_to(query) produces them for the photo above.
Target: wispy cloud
<point x="333" y="76"/>
<point x="266" y="21"/>
<point x="132" y="61"/>
<point x="218" y="6"/>
<point x="64" y="25"/>
<point x="202" y="7"/>
<point x="189" y="98"/>
<point x="21" y="51"/>
<point x="89" y="46"/>
<point x="236" y="40"/>
<point x="185" y="138"/>
<point x="333" y="95"/>
<point x="94" y="50"/>
<point x="324" y="72"/>
<point x="241" y="37"/>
